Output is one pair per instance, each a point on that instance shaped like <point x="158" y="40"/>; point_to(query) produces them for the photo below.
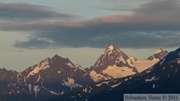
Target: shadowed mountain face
<point x="163" y="77"/>
<point x="7" y="79"/>
<point x="57" y="76"/>
<point x="51" y="77"/>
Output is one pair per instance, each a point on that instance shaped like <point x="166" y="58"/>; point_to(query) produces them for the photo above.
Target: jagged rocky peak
<point x="114" y="51"/>
<point x="112" y="48"/>
<point x="55" y="58"/>
<point x="58" y="59"/>
<point x="5" y="70"/>
<point x="159" y="50"/>
<point x="45" y="61"/>
<point x="171" y="56"/>
<point x="7" y="75"/>
<point x="112" y="56"/>
<point x="109" y="56"/>
<point x="159" y="54"/>
<point x="49" y="61"/>
<point x="48" y="65"/>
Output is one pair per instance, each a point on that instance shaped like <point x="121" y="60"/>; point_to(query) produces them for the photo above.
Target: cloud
<point x="158" y="11"/>
<point x="28" y="12"/>
<point x="124" y="40"/>
<point x="152" y="25"/>
<point x="34" y="43"/>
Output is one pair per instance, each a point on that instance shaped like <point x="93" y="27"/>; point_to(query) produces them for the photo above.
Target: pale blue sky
<point x="31" y="30"/>
<point x="85" y="8"/>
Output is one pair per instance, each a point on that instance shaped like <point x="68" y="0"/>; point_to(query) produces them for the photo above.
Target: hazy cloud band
<point x="154" y="24"/>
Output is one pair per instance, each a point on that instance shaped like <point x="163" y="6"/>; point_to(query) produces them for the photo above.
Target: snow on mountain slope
<point x="113" y="60"/>
<point x="163" y="77"/>
<point x="159" y="54"/>
<point x="88" y="91"/>
<point x="57" y="75"/>
<point x="51" y="77"/>
<point x="142" y="65"/>
<point x="95" y="76"/>
<point x="70" y="83"/>
<point x="112" y="56"/>
<point x="116" y="64"/>
<point x="42" y="66"/>
<point x="117" y="72"/>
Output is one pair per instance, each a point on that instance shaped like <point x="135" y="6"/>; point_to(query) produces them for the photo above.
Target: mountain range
<point x="58" y="76"/>
<point x="161" y="78"/>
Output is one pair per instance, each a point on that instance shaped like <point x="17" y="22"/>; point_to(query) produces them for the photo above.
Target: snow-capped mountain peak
<point x="111" y="48"/>
<point x="58" y="75"/>
<point x="153" y="80"/>
<point x="159" y="54"/>
<point x="159" y="51"/>
<point x="142" y="65"/>
<point x="171" y="56"/>
<point x="113" y="59"/>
